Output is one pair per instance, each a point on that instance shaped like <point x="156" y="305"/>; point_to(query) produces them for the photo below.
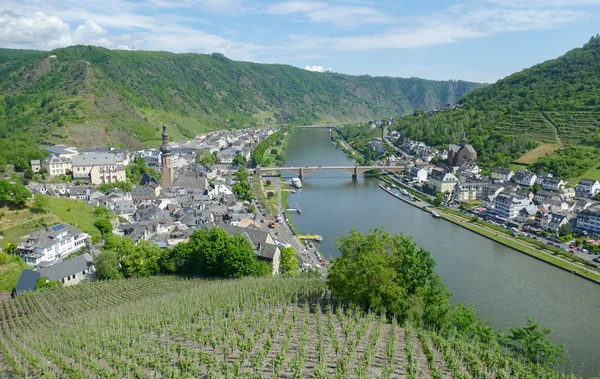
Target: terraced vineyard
<point x="169" y="327"/>
<point x="531" y="125"/>
<point x="574" y="127"/>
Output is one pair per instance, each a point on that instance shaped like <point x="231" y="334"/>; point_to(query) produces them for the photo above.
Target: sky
<point x="477" y="40"/>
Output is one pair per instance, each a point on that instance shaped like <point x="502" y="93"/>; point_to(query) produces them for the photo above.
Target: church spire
<point x="463" y="142"/>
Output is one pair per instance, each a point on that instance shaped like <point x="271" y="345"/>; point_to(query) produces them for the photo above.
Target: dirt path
<point x="556" y="133"/>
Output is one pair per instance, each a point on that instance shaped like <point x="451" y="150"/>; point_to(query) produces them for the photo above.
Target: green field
<point x="10" y="272"/>
<point x="286" y="328"/>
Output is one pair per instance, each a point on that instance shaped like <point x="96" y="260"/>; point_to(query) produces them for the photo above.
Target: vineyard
<point x="170" y="327"/>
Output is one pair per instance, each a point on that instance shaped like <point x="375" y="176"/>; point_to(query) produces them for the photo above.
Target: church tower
<point x="167" y="166"/>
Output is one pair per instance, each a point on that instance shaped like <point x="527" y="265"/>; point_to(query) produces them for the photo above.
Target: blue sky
<point x="479" y="40"/>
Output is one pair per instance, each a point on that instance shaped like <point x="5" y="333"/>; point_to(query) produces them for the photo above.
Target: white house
<point x="553" y="221"/>
<point x="553" y="184"/>
<point x="467" y="191"/>
<point x="588" y="188"/>
<point x="509" y="206"/>
<point x="442" y="181"/>
<point x="503" y="174"/>
<point x="54" y="165"/>
<point x="50" y="244"/>
<point x="525" y="178"/>
<point x="589" y="219"/>
<point x="418" y="173"/>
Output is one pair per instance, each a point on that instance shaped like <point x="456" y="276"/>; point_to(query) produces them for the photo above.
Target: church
<point x="459" y="154"/>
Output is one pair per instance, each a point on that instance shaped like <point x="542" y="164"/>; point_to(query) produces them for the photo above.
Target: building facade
<point x="589" y="220"/>
<point x="53" y="243"/>
<point x="442" y="182"/>
<point x="98" y="168"/>
<point x="459" y="154"/>
<point x="509" y="206"/>
<point x="588" y="188"/>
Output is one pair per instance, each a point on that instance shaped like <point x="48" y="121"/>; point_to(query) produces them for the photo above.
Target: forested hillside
<point x="89" y="95"/>
<point x="554" y="104"/>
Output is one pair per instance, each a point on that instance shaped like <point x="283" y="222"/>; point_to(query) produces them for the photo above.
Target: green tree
<point x="107" y="265"/>
<point x="532" y="343"/>
<point x="438" y="200"/>
<point x="104" y="226"/>
<point x="289" y="262"/>
<point x="240" y="160"/>
<point x="10" y="248"/>
<point x="384" y="273"/>
<point x="566" y="230"/>
<point x="20" y="195"/>
<point x="41" y="203"/>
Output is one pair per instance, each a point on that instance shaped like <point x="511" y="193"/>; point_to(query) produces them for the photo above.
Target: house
<point x="98" y="168"/>
<point x="226" y="156"/>
<point x="568" y="193"/>
<point x="542" y="195"/>
<point x="146" y="192"/>
<point x="503" y="174"/>
<point x="54" y="165"/>
<point x="509" y="206"/>
<point x="587" y="188"/>
<point x="553" y="221"/>
<point x="459" y="154"/>
<point x="467" y="191"/>
<point x="469" y="169"/>
<point x="27" y="282"/>
<point x="51" y="244"/>
<point x="553" y="184"/>
<point x="71" y="271"/>
<point x="542" y="176"/>
<point x="63" y="151"/>
<point x="262" y="242"/>
<point x="589" y="219"/>
<point x="442" y="182"/>
<point x="419" y="174"/>
<point x="124" y="208"/>
<point x="36" y="166"/>
<point x="80" y="192"/>
<point x="525" y="178"/>
<point x="526" y="215"/>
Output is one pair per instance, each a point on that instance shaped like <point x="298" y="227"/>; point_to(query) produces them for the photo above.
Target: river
<point x="504" y="285"/>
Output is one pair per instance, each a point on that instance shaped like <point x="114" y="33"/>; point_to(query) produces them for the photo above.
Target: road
<point x="283" y="231"/>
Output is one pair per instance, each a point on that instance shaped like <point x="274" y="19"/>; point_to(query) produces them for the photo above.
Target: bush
<point x="4" y="257"/>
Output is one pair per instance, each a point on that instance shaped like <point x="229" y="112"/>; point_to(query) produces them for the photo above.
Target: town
<point x="179" y="188"/>
<point x="539" y="206"/>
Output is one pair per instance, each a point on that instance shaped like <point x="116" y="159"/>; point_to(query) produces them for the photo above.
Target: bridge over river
<point x="301" y="171"/>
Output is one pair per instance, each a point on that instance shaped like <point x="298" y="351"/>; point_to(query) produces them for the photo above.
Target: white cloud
<point x="317" y="69"/>
<point x="543" y="3"/>
<point x="33" y="30"/>
<point x="339" y="15"/>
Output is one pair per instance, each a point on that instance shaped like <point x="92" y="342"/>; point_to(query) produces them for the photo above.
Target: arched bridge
<point x="354" y="170"/>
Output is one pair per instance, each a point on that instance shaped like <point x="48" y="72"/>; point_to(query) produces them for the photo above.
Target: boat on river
<point x="296" y="182"/>
<point x="434" y="214"/>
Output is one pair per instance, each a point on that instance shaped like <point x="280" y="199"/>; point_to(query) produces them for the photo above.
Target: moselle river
<point x="504" y="285"/>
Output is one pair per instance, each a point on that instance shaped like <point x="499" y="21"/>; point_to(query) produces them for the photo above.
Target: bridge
<point x="354" y="170"/>
<point x="315" y="127"/>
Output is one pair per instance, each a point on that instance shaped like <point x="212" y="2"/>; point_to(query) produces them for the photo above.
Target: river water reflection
<point x="504" y="285"/>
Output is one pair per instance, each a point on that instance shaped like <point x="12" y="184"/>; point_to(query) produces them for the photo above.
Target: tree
<point x="104" y="226"/>
<point x="289" y="262"/>
<point x="10" y="248"/>
<point x="107" y="265"/>
<point x="438" y="200"/>
<point x="41" y="203"/>
<point x="566" y="230"/>
<point x="385" y="273"/>
<point x="20" y="194"/>
<point x="240" y="160"/>
<point x="28" y="174"/>
<point x="532" y="343"/>
<point x="273" y="151"/>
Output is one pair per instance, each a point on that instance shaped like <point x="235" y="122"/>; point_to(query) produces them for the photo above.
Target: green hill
<point x="555" y="103"/>
<point x="285" y="327"/>
<point x="90" y="95"/>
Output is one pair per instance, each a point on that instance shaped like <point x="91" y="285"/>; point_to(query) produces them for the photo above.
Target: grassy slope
<point x="10" y="272"/>
<point x="166" y="327"/>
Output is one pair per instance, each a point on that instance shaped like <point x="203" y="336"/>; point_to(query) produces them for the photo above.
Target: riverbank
<point x="506" y="240"/>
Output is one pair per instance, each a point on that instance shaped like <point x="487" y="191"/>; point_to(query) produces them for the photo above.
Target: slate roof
<point x="94" y="160"/>
<point x="66" y="268"/>
<point x="27" y="281"/>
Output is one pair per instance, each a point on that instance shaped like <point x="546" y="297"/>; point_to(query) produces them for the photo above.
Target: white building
<point x="553" y="221"/>
<point x="53" y="243"/>
<point x="418" y="173"/>
<point x="553" y="184"/>
<point x="442" y="182"/>
<point x="503" y="174"/>
<point x="509" y="206"/>
<point x="589" y="220"/>
<point x="525" y="178"/>
<point x="98" y="168"/>
<point x="467" y="191"/>
<point x="70" y="272"/>
<point x="54" y="165"/>
<point x="588" y="188"/>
